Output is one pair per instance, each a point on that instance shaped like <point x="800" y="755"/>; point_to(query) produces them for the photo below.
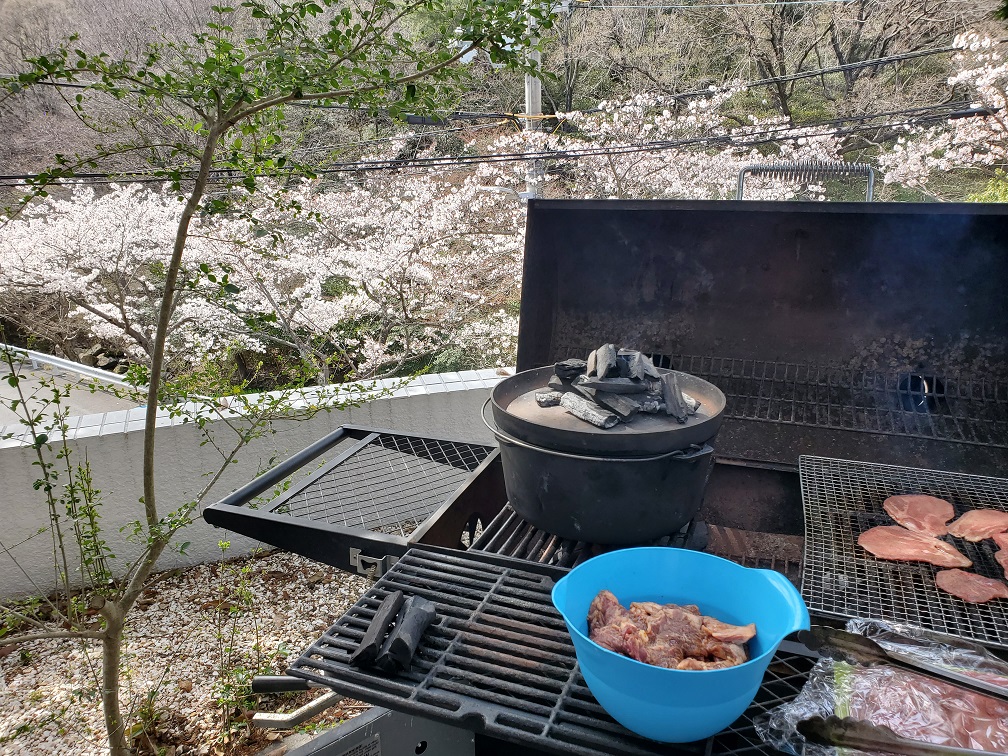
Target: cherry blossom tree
<point x="979" y="142"/>
<point x="388" y="270"/>
<point x="652" y="147"/>
<point x="215" y="102"/>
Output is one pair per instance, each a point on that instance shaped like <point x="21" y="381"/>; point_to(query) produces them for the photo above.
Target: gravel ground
<point x="193" y="642"/>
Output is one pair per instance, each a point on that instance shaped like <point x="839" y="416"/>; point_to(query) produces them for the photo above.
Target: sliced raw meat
<point x="605" y="608"/>
<point x="924" y="709"/>
<point x="667" y="635"/>
<point x="925" y="514"/>
<point x="1001" y="539"/>
<point x="978" y="524"/>
<point x="976" y="589"/>
<point x="722" y="631"/>
<point x="901" y="545"/>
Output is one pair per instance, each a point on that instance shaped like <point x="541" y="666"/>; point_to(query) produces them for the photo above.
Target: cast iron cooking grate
<point x="843" y="498"/>
<point x="510" y="535"/>
<point x="499" y="660"/>
<point x="385" y="482"/>
<point x="947" y="408"/>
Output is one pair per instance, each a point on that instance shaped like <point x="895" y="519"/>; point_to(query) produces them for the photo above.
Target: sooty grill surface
<point x="508" y="534"/>
<point x="957" y="409"/>
<point x="842" y="499"/>
<point x="499" y="660"/>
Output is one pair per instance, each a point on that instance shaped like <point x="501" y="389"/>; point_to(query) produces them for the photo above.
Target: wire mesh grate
<point x="391" y="484"/>
<point x="501" y="655"/>
<point x="843" y="498"/>
<point x="923" y="406"/>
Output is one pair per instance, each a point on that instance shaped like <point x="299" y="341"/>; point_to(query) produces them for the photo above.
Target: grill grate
<point x="947" y="408"/>
<point x="500" y="661"/>
<point x="761" y="551"/>
<point x="390" y="483"/>
<point x="842" y="499"/>
<point x="510" y="535"/>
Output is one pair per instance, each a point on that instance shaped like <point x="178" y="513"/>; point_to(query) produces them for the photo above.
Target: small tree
<point x="206" y="112"/>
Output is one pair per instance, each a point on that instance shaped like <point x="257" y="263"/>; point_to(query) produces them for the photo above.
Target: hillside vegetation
<point x="404" y="253"/>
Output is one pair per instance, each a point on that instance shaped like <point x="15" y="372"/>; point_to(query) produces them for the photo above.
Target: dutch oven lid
<point x="516" y="412"/>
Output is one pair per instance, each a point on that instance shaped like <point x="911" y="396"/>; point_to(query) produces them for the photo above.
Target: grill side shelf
<point x="357" y="509"/>
<point x="843" y="498"/>
<point x="499" y="661"/>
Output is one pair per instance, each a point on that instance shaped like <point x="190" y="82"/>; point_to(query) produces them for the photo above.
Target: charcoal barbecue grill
<point x="870" y="339"/>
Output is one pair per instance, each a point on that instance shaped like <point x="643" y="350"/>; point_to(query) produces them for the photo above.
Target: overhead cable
<point x="781" y="133"/>
<point x="462" y="115"/>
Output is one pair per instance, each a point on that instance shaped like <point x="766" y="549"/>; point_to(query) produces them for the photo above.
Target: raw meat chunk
<point x="676" y="633"/>
<point x="732" y="652"/>
<point x="978" y="524"/>
<point x="605" y="608"/>
<point x="697" y="664"/>
<point x="613" y="635"/>
<point x="1001" y="539"/>
<point x="902" y="545"/>
<point x="925" y="514"/>
<point x="722" y="631"/>
<point x="667" y="635"/>
<point x="970" y="587"/>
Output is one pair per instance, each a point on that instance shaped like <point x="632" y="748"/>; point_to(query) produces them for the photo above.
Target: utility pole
<point x="533" y="109"/>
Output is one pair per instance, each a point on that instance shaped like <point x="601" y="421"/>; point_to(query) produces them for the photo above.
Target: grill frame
<point x="346" y="546"/>
<point x="493" y="609"/>
<point x="843" y="498"/>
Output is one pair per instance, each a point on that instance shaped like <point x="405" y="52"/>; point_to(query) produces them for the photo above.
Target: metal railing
<point x="37" y="359"/>
<point x="807" y="171"/>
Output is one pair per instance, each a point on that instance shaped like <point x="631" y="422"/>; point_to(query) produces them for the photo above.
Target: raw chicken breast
<point x="901" y="545"/>
<point x="925" y="514"/>
<point x="978" y="524"/>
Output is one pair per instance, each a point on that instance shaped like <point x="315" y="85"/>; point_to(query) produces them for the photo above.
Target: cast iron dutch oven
<point x="644" y="481"/>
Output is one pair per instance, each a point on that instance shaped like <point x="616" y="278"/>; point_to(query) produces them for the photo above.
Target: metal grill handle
<point x="806" y="171"/>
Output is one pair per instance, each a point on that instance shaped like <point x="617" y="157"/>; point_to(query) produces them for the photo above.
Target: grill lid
<point x="821" y="322"/>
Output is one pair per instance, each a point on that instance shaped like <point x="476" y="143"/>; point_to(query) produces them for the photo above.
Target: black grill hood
<point x="875" y="332"/>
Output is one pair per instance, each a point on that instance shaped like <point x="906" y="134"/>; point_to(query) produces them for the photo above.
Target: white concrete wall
<point x="443" y="406"/>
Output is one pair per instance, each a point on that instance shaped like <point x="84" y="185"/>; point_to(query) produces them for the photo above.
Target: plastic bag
<point x="954" y="654"/>
<point x="913" y="706"/>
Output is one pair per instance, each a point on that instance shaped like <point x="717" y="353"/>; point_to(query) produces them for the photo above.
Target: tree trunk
<point x="111" y="659"/>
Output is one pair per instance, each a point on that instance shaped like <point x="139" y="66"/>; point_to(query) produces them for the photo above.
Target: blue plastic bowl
<point x="673" y="705"/>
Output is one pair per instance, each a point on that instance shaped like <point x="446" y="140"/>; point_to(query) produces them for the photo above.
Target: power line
<point x="404" y="135"/>
<point x="464" y="115"/>
<point x="783" y="132"/>
<point x="871" y="63"/>
<point x="834" y="69"/>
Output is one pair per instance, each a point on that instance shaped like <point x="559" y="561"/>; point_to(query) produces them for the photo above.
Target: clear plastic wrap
<point x="913" y="706"/>
<point x="953" y="654"/>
